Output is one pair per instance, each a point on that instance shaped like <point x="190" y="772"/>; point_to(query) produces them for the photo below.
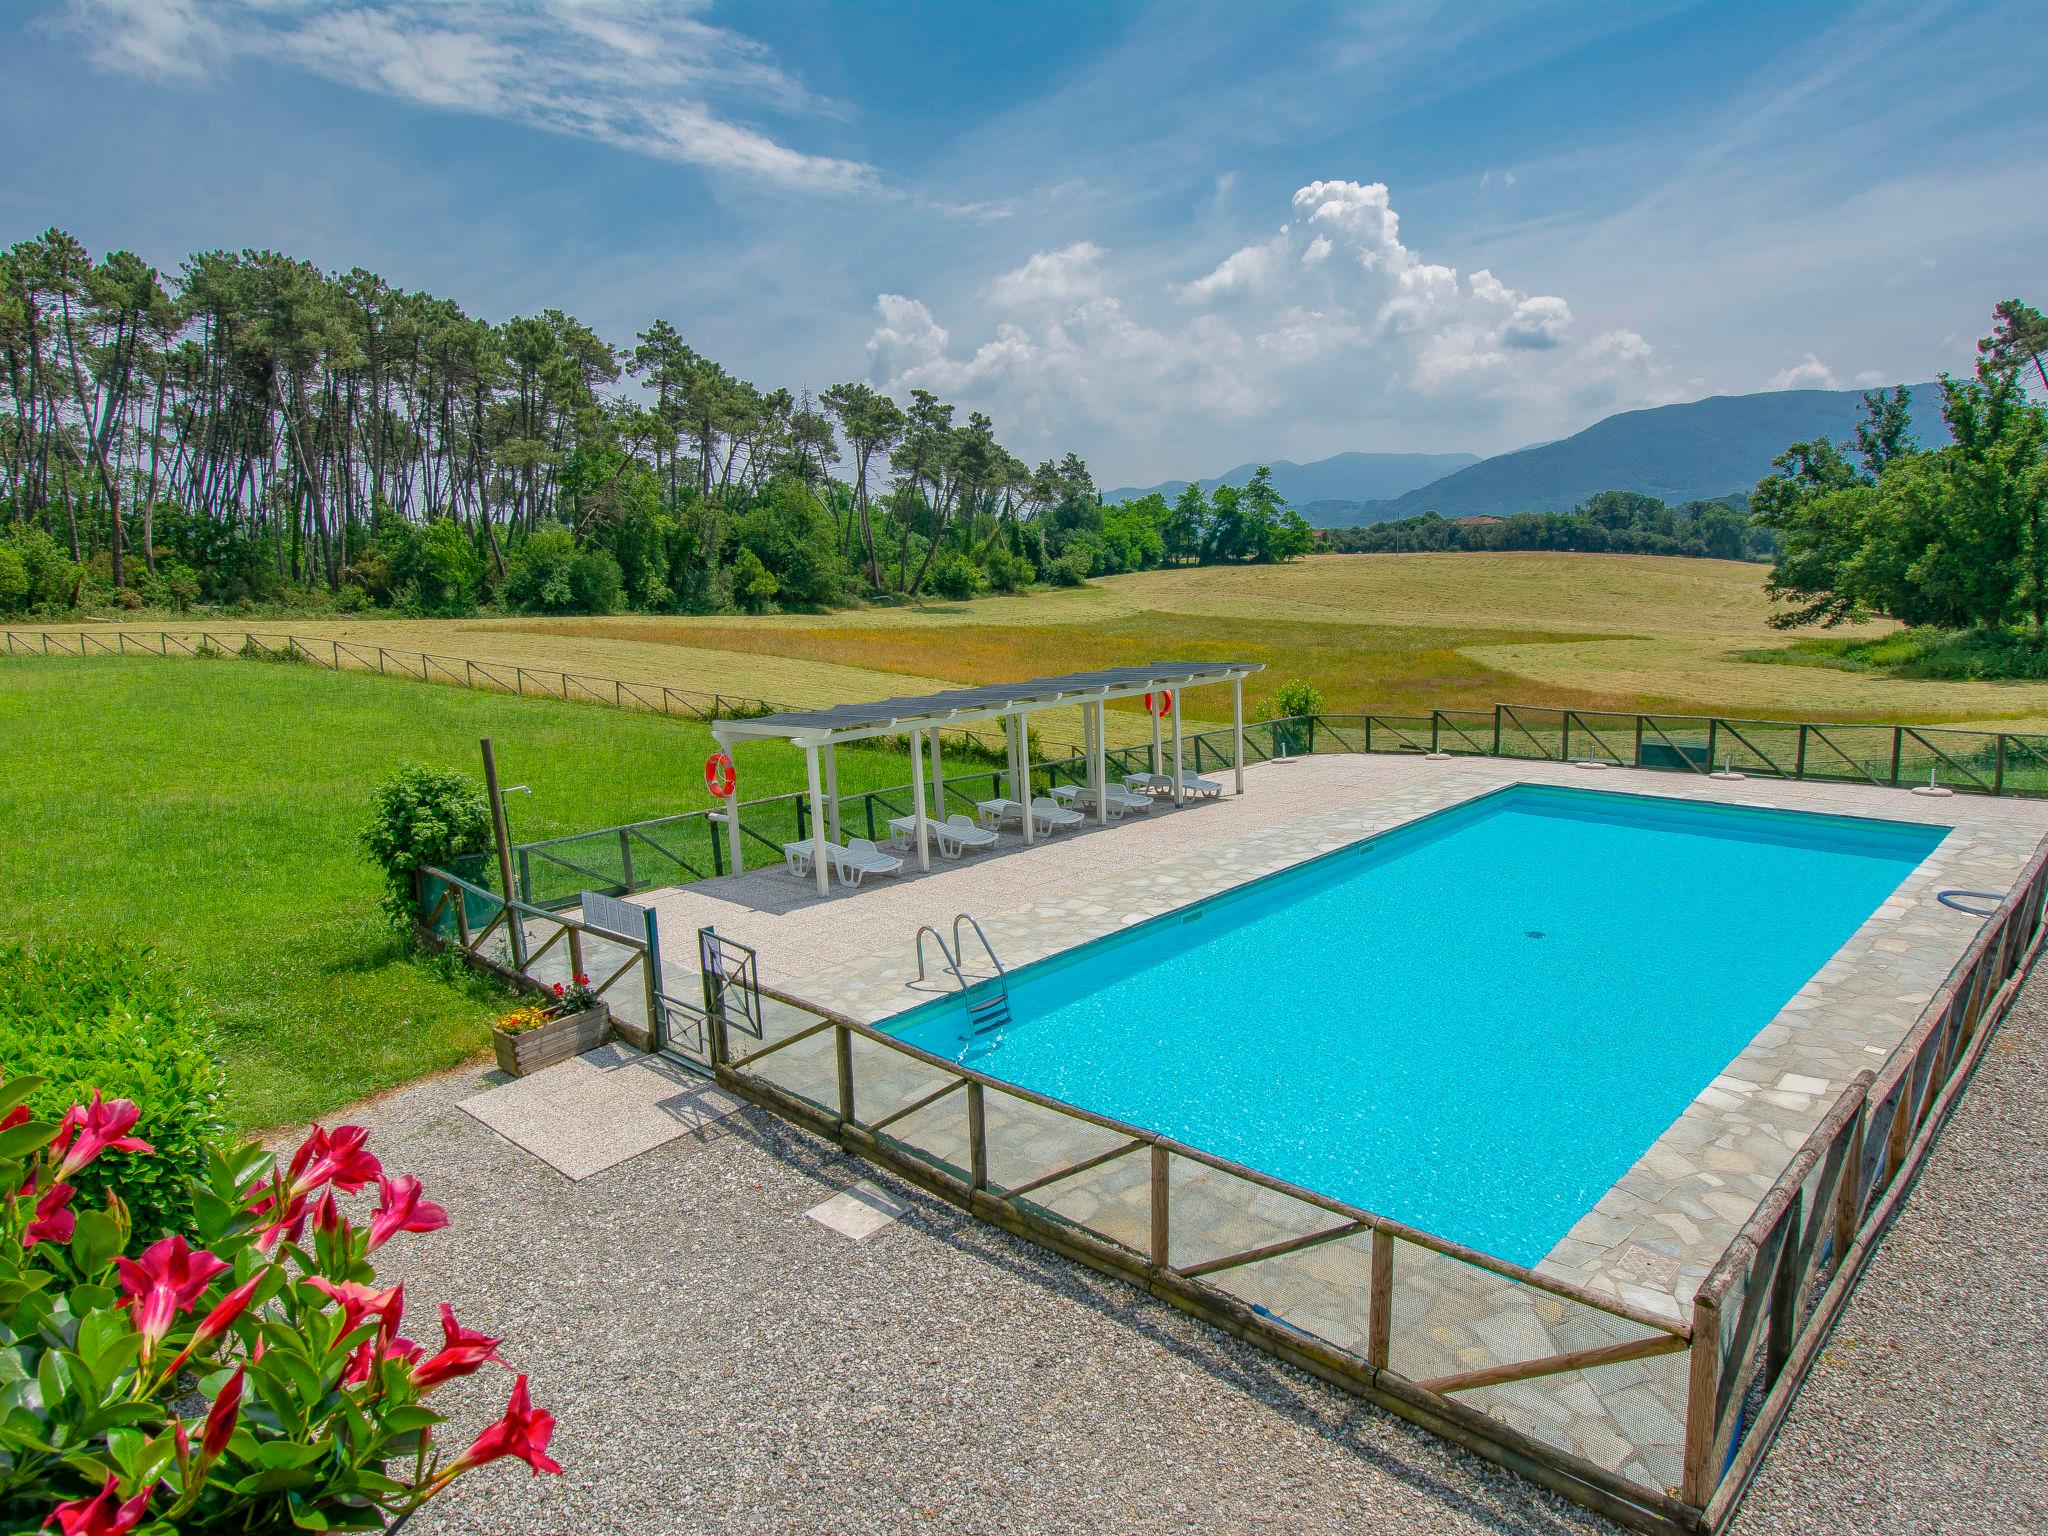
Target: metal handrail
<point x="952" y="964"/>
<point x="960" y="949"/>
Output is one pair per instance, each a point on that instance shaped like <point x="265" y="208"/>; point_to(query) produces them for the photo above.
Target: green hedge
<point x="83" y="1016"/>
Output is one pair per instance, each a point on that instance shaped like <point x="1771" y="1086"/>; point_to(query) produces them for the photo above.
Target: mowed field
<point x="1396" y="633"/>
<point x="210" y="811"/>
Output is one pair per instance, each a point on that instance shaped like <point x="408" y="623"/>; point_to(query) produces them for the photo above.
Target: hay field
<point x="1398" y="633"/>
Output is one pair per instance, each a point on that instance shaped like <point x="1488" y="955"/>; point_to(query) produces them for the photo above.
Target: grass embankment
<point x="210" y="809"/>
<point x="1974" y="655"/>
<point x="1398" y="633"/>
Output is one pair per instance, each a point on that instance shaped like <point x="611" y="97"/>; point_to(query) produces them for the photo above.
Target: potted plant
<point x="567" y="1023"/>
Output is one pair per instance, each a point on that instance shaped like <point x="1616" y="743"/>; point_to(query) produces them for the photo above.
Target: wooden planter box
<point x="557" y="1040"/>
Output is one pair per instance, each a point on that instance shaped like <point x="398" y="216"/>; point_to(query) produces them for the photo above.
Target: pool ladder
<point x="990" y="1011"/>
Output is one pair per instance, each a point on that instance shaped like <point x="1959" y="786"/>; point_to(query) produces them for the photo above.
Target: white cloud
<point x="1808" y="373"/>
<point x="1869" y="378"/>
<point x="1331" y="333"/>
<point x="1065" y="276"/>
<point x="637" y="75"/>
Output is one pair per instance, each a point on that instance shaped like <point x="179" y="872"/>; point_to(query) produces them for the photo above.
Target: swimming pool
<point x="1474" y="1023"/>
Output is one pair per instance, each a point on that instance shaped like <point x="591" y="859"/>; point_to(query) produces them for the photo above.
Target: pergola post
<point x="1237" y="729"/>
<point x="1178" y="788"/>
<point x="733" y="846"/>
<point x="1020" y="770"/>
<point x="924" y="855"/>
<point x="817" y="821"/>
<point x="1155" y="733"/>
<point x="938" y="778"/>
<point x="1098" y="761"/>
<point x="832" y="788"/>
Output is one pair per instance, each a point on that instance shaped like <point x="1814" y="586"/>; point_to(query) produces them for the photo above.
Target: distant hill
<point x="1679" y="453"/>
<point x="1336" y="487"/>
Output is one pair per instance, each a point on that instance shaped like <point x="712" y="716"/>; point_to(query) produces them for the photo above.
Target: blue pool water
<point x="1475" y="1023"/>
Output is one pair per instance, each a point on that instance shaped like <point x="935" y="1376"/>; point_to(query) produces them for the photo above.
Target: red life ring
<point x="1160" y="703"/>
<point x="719" y="775"/>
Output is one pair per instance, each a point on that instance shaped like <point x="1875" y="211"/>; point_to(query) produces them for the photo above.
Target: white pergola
<point x="820" y="732"/>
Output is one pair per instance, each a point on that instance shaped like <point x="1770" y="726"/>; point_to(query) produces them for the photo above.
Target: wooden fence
<point x="421" y="666"/>
<point x="956" y="1156"/>
<point x="1757" y="1322"/>
<point x="1763" y="1312"/>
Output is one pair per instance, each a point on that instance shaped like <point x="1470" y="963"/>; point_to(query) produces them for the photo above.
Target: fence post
<point x="1162" y="1200"/>
<point x="1898" y="750"/>
<point x="1784" y="1319"/>
<point x="525" y="876"/>
<point x="626" y="855"/>
<point x="1379" y="1320"/>
<point x="1496" y="730"/>
<point x="575" y="953"/>
<point x="1564" y="738"/>
<point x="717" y="844"/>
<point x="1998" y="767"/>
<point x="842" y="1052"/>
<point x="1639" y="742"/>
<point x="1713" y="735"/>
<point x="650" y="965"/>
<point x="977" y="1137"/>
<point x="1849" y="1193"/>
<point x="1311" y="735"/>
<point x="1799" y="763"/>
<point x="1702" y="1399"/>
<point x="1435" y="721"/>
<point x="1368" y="733"/>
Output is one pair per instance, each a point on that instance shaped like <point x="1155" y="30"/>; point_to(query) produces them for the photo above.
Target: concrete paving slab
<point x="594" y="1111"/>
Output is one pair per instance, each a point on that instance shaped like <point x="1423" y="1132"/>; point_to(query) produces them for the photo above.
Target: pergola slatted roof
<point x="953" y="705"/>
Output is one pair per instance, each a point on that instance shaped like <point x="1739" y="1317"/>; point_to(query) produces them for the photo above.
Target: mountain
<point x="1703" y="449"/>
<point x="1347" y="479"/>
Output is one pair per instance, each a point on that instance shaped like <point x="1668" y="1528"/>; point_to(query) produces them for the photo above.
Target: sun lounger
<point x="1049" y="815"/>
<point x="1121" y="801"/>
<point x="860" y="858"/>
<point x="798" y="857"/>
<point x="1192" y="783"/>
<point x="958" y="835"/>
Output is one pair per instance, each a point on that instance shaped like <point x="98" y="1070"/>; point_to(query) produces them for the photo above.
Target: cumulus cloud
<point x="1065" y="276"/>
<point x="1330" y="333"/>
<point x="650" y="78"/>
<point x="1808" y="373"/>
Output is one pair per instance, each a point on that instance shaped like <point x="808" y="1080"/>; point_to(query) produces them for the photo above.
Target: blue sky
<point x="1168" y="237"/>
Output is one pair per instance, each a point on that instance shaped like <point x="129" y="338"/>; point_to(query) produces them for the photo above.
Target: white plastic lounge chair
<point x="1121" y="801"/>
<point x="1049" y="815"/>
<point x="798" y="857"/>
<point x="860" y="858"/>
<point x="1192" y="783"/>
<point x="958" y="835"/>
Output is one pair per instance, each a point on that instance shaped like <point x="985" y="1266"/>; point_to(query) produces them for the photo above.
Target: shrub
<point x="423" y="816"/>
<point x="550" y="574"/>
<point x="954" y="577"/>
<point x="251" y="1379"/>
<point x="87" y="1017"/>
<point x="1291" y="699"/>
<point x="1007" y="570"/>
<point x="14" y="588"/>
<point x="173" y="584"/>
<point x="753" y="584"/>
<point x="1071" y="569"/>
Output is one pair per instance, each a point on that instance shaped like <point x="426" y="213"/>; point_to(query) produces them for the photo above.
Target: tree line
<point x="1612" y="522"/>
<point x="254" y="430"/>
<point x="1953" y="538"/>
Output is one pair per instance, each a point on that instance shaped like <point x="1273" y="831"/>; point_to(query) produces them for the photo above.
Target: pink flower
<point x="287" y="1221"/>
<point x="220" y="1319"/>
<point x="341" y="1158"/>
<point x="373" y="1352"/>
<point x="170" y="1279"/>
<point x="101" y="1515"/>
<point x="358" y="1301"/>
<point x="326" y="1215"/>
<point x="523" y="1432"/>
<point x="53" y="1219"/>
<point x="15" y="1116"/>
<point x="87" y="1131"/>
<point x="462" y="1352"/>
<point x="400" y="1209"/>
<point x="220" y="1418"/>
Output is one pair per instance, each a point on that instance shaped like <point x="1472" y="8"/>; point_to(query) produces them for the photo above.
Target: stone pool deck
<point x="1647" y="1242"/>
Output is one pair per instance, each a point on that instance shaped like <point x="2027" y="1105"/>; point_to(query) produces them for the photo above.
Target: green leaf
<point x="95" y="1241"/>
<point x="287" y="1453"/>
<point x="16" y="1090"/>
<point x="19" y="1140"/>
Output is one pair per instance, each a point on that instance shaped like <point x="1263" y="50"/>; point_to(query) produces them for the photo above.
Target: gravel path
<point x="719" y="1362"/>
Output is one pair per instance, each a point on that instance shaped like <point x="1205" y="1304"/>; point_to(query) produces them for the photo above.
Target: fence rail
<point x="980" y="1142"/>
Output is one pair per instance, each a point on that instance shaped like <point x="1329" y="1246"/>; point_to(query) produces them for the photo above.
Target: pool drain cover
<point x="1533" y="933"/>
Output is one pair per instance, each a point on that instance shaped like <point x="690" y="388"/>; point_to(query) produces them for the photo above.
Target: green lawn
<point x="210" y="809"/>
